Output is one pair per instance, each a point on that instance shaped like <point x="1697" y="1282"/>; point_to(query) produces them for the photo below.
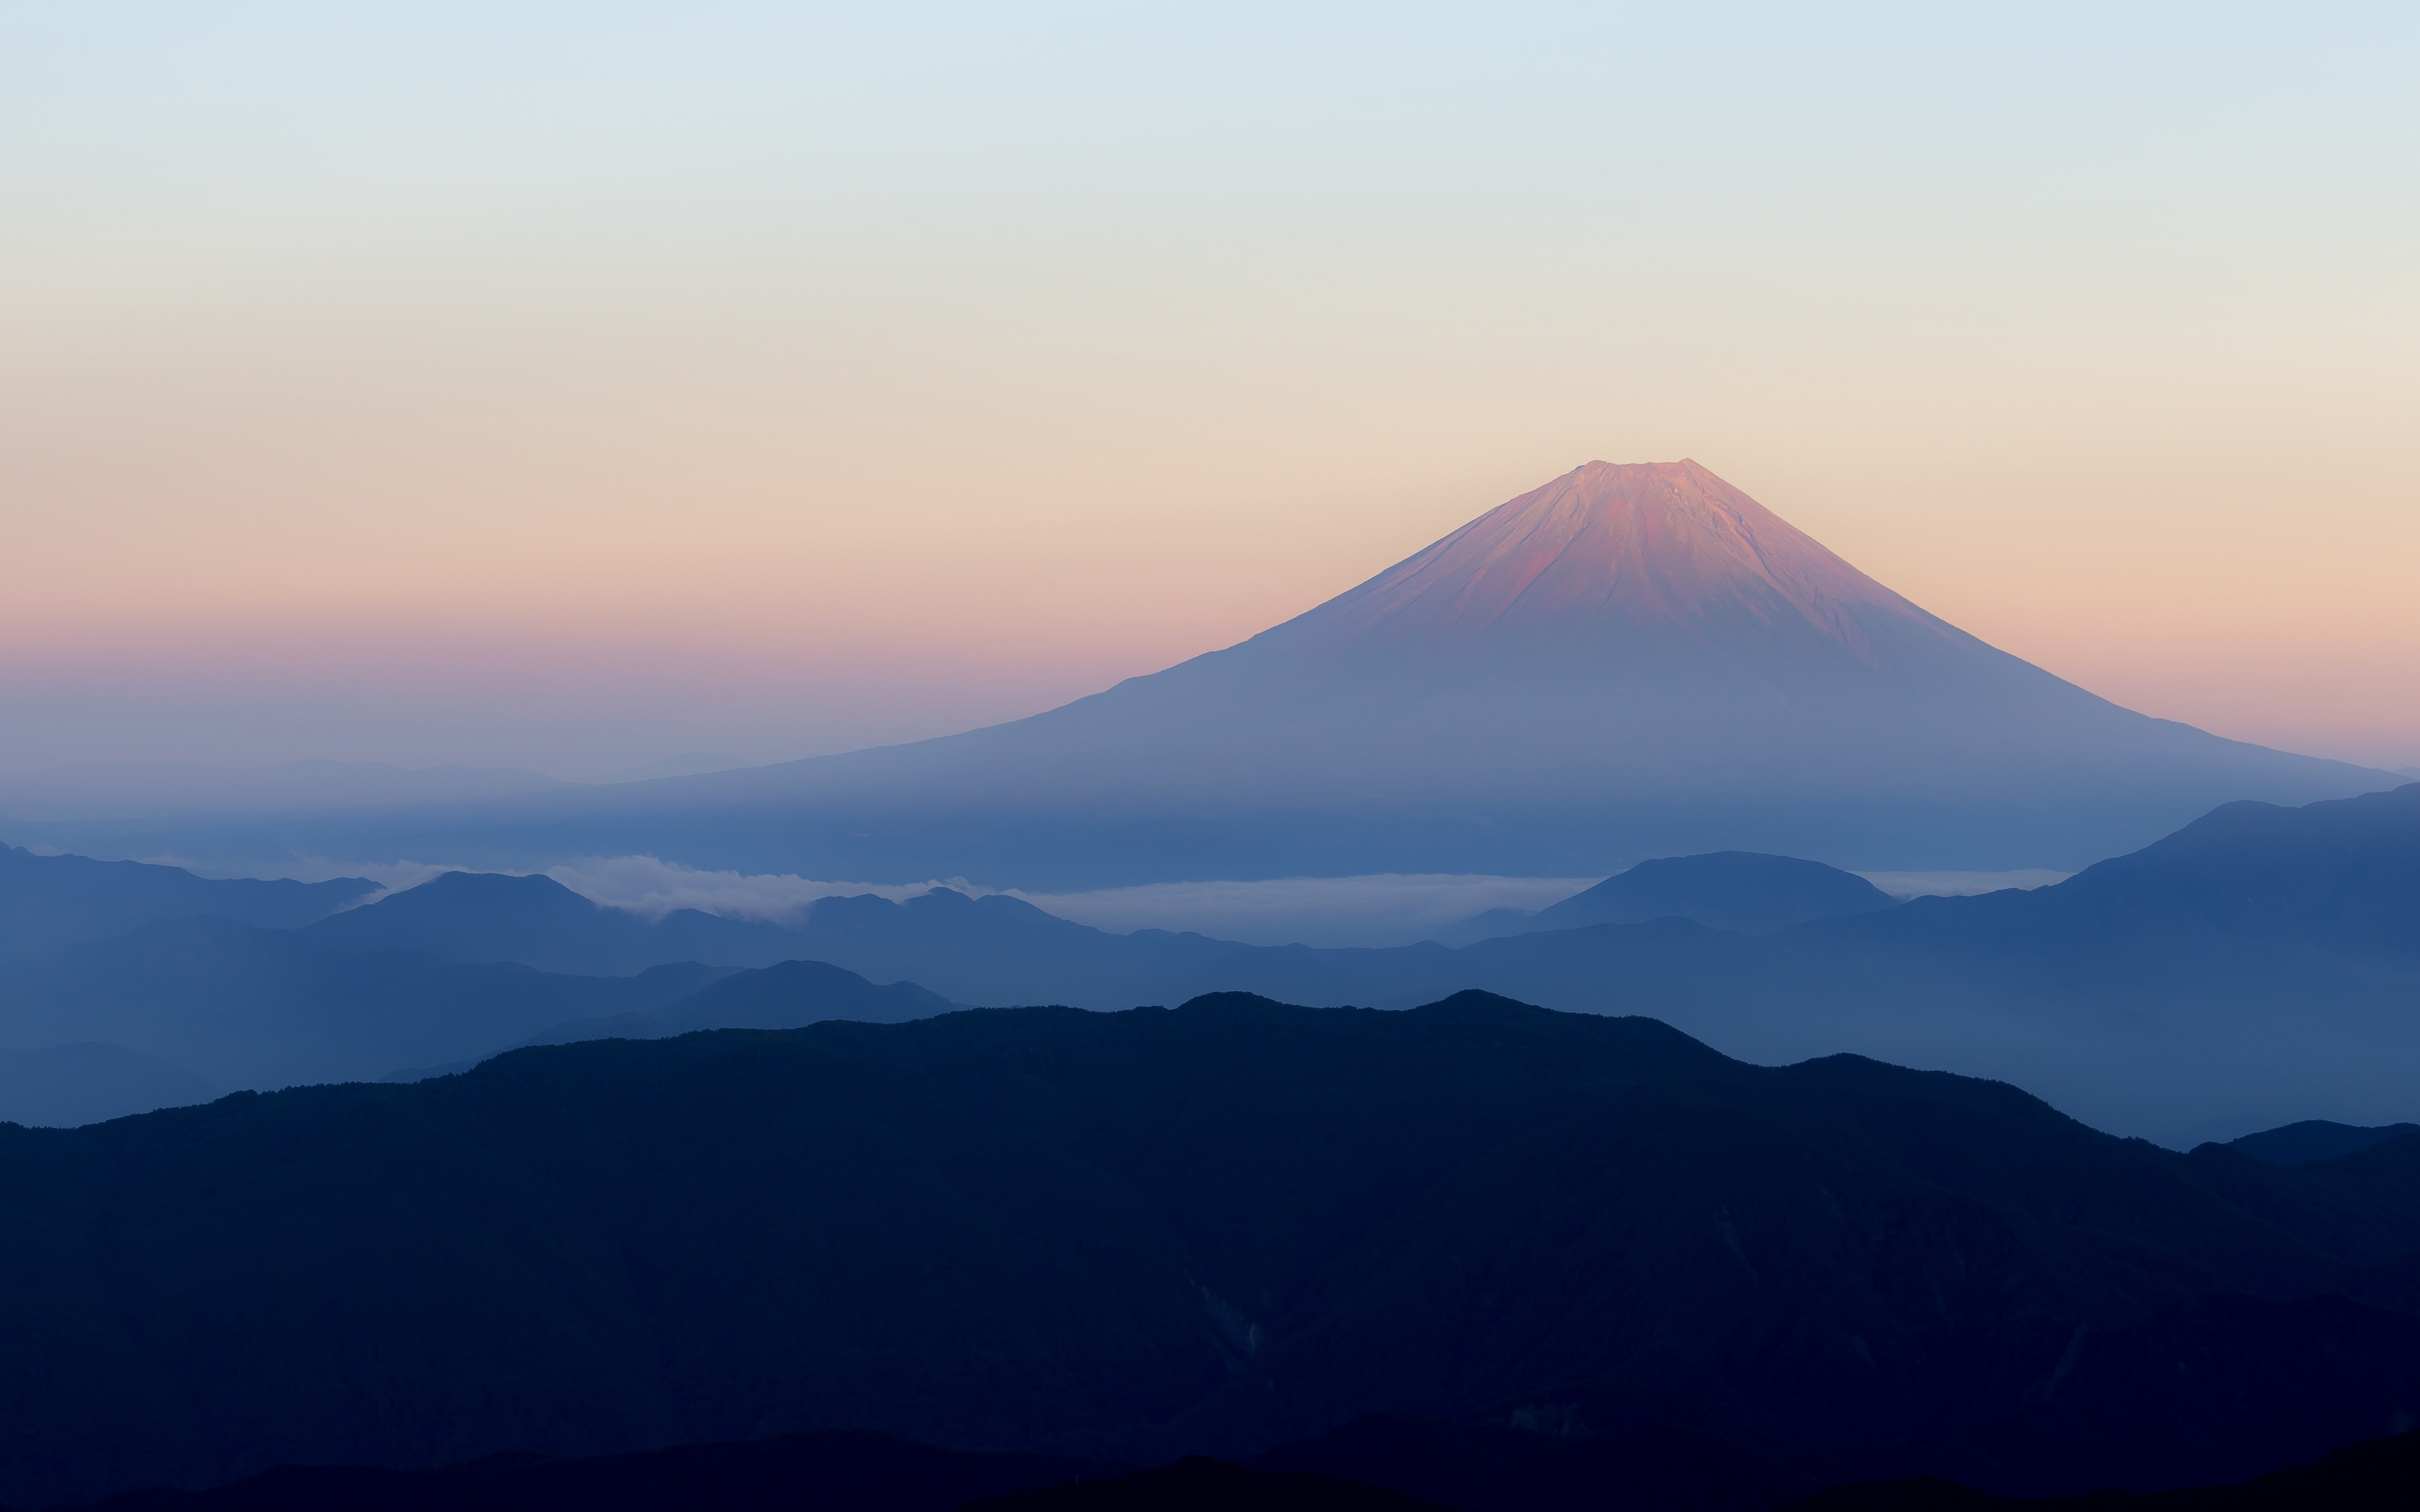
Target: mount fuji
<point x="1630" y="661"/>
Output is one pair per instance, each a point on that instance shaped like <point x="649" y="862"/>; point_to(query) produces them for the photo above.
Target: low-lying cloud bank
<point x="1387" y="908"/>
<point x="1384" y="909"/>
<point x="652" y="889"/>
<point x="1365" y="910"/>
<point x="1961" y="884"/>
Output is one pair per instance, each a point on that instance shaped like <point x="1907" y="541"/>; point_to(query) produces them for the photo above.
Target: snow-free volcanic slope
<point x="1630" y="661"/>
<point x="1605" y="549"/>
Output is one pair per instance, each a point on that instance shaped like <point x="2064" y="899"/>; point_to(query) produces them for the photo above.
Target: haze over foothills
<point x="598" y="391"/>
<point x="1066" y="758"/>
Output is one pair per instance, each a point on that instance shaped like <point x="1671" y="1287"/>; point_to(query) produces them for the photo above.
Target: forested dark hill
<point x="1221" y="1228"/>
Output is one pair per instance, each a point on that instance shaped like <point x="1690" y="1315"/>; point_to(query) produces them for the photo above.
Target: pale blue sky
<point x="779" y="378"/>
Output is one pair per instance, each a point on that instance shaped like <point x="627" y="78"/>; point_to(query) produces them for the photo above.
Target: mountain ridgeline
<point x="2264" y="959"/>
<point x="480" y="1194"/>
<point x="157" y="997"/>
<point x="1630" y="660"/>
<point x="47" y="902"/>
<point x="1226" y="1227"/>
<point x="1733" y="891"/>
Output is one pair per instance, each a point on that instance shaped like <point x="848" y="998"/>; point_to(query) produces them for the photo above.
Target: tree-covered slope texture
<point x="1217" y="1228"/>
<point x="2377" y="1476"/>
<point x="842" y="1470"/>
<point x="1200" y="1484"/>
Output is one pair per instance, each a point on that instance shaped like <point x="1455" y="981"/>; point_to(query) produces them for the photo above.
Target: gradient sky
<point x="593" y="384"/>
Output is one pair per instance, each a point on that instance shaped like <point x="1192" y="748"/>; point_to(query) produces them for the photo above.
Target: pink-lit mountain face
<point x="1605" y="551"/>
<point x="1631" y="661"/>
<point x="1647" y="626"/>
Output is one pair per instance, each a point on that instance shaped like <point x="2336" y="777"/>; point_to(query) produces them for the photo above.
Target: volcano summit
<point x="1630" y="661"/>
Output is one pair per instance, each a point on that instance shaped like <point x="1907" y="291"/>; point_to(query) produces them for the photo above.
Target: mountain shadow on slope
<point x="1218" y="1228"/>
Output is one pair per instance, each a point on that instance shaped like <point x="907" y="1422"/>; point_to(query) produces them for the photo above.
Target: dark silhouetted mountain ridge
<point x="1220" y="1228"/>
<point x="2377" y="1476"/>
<point x="831" y="1471"/>
<point x="1198" y="1484"/>
<point x="2316" y="1139"/>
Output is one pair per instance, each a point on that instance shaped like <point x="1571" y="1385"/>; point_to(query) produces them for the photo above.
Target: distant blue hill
<point x="1733" y="891"/>
<point x="47" y="902"/>
<point x="161" y="1014"/>
<point x="2260" y="962"/>
<point x="2260" y="958"/>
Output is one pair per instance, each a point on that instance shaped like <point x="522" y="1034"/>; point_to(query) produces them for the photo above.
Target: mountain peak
<point x="1632" y="659"/>
<point x="1609" y="547"/>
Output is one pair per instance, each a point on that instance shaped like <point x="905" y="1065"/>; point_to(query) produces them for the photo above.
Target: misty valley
<point x="559" y="1178"/>
<point x="1731" y="1180"/>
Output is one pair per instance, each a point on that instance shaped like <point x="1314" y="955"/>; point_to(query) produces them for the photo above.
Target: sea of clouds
<point x="1390" y="908"/>
<point x="1961" y="884"/>
<point x="1365" y="910"/>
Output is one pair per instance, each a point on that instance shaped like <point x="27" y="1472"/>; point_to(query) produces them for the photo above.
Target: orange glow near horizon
<point x="450" y="392"/>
